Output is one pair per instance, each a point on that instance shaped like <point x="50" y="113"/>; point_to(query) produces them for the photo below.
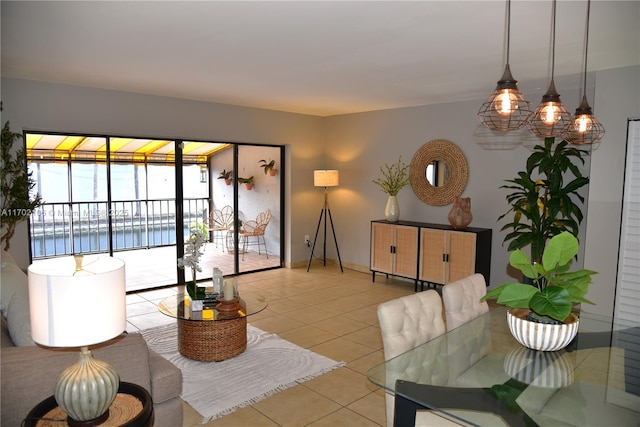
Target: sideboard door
<point x="462" y="255"/>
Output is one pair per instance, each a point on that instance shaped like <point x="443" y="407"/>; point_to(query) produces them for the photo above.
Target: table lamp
<point x="77" y="302"/>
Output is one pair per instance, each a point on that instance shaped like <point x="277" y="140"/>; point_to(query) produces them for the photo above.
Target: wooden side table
<point x="132" y="407"/>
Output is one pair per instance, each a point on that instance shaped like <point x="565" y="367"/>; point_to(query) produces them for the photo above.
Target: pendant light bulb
<point x="584" y="127"/>
<point x="506" y="109"/>
<point x="550" y="114"/>
<point x="506" y="102"/>
<point x="582" y="123"/>
<point x="550" y="118"/>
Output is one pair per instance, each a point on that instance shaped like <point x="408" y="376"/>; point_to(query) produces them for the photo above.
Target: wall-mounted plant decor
<point x="226" y="175"/>
<point x="269" y="167"/>
<point x="248" y="182"/>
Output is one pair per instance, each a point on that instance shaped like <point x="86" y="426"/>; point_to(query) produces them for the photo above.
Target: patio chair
<point x="256" y="229"/>
<point x="220" y="221"/>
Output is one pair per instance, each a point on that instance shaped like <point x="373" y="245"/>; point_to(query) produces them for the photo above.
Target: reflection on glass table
<point x="179" y="307"/>
<point x="479" y="374"/>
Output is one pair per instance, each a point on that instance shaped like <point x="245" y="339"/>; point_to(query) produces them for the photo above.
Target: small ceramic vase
<point x="460" y="215"/>
<point x="392" y="211"/>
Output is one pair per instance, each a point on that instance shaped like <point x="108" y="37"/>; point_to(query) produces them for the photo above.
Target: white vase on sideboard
<point x="392" y="211"/>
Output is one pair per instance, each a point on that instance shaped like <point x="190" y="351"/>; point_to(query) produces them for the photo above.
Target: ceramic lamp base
<point x="86" y="390"/>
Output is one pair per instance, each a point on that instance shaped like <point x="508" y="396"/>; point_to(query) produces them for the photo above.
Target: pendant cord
<point x="508" y="28"/>
<point x="553" y="43"/>
<point x="586" y="50"/>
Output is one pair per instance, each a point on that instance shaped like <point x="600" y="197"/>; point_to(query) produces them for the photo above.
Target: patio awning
<point x="131" y="150"/>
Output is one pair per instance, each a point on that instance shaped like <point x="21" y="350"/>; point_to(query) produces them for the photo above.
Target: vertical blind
<point x="628" y="281"/>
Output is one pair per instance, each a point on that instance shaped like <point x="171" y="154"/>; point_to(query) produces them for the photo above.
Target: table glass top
<point x="181" y="308"/>
<point x="480" y="368"/>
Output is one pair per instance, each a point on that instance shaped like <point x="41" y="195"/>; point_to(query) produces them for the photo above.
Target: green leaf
<point x="495" y="293"/>
<point x="517" y="295"/>
<point x="560" y="250"/>
<point x="521" y="261"/>
<point x="552" y="301"/>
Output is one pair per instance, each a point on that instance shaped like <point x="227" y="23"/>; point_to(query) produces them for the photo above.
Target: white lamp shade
<point x="75" y="309"/>
<point x="325" y="178"/>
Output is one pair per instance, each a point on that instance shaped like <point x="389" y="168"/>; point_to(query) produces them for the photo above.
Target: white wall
<point x="617" y="99"/>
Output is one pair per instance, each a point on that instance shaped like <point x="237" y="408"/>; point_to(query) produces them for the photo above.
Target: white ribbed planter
<point x="540" y="336"/>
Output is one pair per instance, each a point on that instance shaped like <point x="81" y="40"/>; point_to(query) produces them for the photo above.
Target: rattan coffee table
<point x="217" y="333"/>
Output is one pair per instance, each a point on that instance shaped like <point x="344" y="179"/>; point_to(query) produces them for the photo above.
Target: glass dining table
<point x="478" y="374"/>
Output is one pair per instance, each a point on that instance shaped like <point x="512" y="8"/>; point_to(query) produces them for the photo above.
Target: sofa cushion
<point x="18" y="321"/>
<point x="5" y="338"/>
<point x="29" y="374"/>
<point x="166" y="379"/>
<point x="14" y="282"/>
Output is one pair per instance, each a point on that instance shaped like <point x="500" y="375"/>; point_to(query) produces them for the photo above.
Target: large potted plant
<point x="545" y="197"/>
<point x="540" y="316"/>
<point x="394" y="177"/>
<point x="16" y="184"/>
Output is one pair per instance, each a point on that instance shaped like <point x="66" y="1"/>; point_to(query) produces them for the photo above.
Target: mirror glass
<point x="438" y="172"/>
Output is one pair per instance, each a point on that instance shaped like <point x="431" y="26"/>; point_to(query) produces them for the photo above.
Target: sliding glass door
<point x="141" y="199"/>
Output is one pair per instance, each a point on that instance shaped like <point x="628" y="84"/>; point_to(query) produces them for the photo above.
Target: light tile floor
<point x="324" y="310"/>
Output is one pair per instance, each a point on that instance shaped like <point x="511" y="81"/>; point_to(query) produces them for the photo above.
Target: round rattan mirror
<point x="438" y="172"/>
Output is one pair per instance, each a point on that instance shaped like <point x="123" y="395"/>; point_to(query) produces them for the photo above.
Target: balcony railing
<point x="83" y="227"/>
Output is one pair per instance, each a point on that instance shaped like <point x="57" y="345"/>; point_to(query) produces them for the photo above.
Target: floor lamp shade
<point x="75" y="305"/>
<point x="326" y="178"/>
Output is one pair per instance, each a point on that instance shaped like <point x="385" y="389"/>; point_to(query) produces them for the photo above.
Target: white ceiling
<point x="313" y="57"/>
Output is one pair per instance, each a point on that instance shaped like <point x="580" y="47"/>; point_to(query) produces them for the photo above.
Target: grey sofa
<point x="28" y="373"/>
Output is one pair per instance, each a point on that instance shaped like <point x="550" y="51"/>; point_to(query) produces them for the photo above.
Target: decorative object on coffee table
<point x="193" y="250"/>
<point x="219" y="337"/>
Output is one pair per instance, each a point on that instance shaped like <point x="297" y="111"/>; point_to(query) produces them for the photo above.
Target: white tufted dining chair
<point x="462" y="300"/>
<point x="406" y="323"/>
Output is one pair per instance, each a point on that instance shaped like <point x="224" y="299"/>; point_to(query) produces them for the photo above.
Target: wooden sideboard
<point x="435" y="254"/>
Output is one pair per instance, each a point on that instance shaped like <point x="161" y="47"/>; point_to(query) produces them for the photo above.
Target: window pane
<point x="193" y="185"/>
<point x="128" y="182"/>
<point x="88" y="182"/>
<point x="162" y="181"/>
<point x="51" y="180"/>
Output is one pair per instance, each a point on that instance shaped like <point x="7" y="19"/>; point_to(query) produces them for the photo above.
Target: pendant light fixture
<point x="550" y="118"/>
<point x="584" y="127"/>
<point x="506" y="109"/>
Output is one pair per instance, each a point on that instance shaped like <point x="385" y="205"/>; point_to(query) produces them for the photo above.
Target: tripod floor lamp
<point x="325" y="178"/>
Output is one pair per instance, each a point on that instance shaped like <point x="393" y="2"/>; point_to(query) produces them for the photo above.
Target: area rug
<point x="269" y="365"/>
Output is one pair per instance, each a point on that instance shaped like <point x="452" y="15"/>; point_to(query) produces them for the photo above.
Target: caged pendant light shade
<point x="584" y="127"/>
<point x="506" y="109"/>
<point x="550" y="118"/>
